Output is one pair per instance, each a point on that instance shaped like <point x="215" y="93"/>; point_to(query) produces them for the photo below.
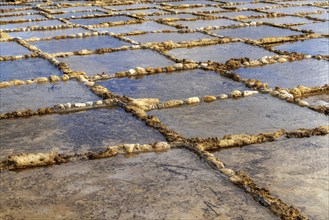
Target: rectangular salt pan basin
<point x="313" y="46"/>
<point x="145" y="26"/>
<point x="249" y="115"/>
<point x="206" y="23"/>
<point x="27" y="69"/>
<point x="32" y="24"/>
<point x="175" y="37"/>
<point x="25" y="17"/>
<point x="77" y="14"/>
<point x="281" y="166"/>
<point x="43" y="95"/>
<point x="282" y="20"/>
<point x="238" y="13"/>
<point x="50" y="33"/>
<point x="318" y="28"/>
<point x="144" y="11"/>
<point x="180" y="16"/>
<point x="90" y="43"/>
<point x="255" y="33"/>
<point x="177" y="85"/>
<point x="253" y="5"/>
<point x="93" y="21"/>
<point x="309" y="72"/>
<point x="220" y="53"/>
<point x="92" y="130"/>
<point x="318" y="100"/>
<point x="133" y="6"/>
<point x="100" y="184"/>
<point x="12" y="49"/>
<point x="295" y="9"/>
<point x="109" y="62"/>
<point x="198" y="9"/>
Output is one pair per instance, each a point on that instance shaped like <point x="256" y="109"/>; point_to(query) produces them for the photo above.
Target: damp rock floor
<point x="73" y="73"/>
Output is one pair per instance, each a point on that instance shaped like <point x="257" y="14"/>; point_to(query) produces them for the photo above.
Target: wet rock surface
<point x="249" y="115"/>
<point x="295" y="169"/>
<point x="74" y="133"/>
<point x="164" y="109"/>
<point x="179" y="85"/>
<point x="43" y="95"/>
<point x="310" y="73"/>
<point x="153" y="178"/>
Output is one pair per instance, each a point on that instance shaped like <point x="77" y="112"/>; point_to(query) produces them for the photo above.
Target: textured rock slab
<point x="50" y="33"/>
<point x="170" y="185"/>
<point x="313" y="46"/>
<point x="296" y="170"/>
<point x="175" y="37"/>
<point x="12" y="49"/>
<point x="36" y="96"/>
<point x="110" y="63"/>
<point x="177" y="85"/>
<point x="255" y="33"/>
<point x="310" y="72"/>
<point x="220" y="53"/>
<point x="145" y="26"/>
<point x="90" y="43"/>
<point x="27" y="69"/>
<point x="75" y="132"/>
<point x="249" y="115"/>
